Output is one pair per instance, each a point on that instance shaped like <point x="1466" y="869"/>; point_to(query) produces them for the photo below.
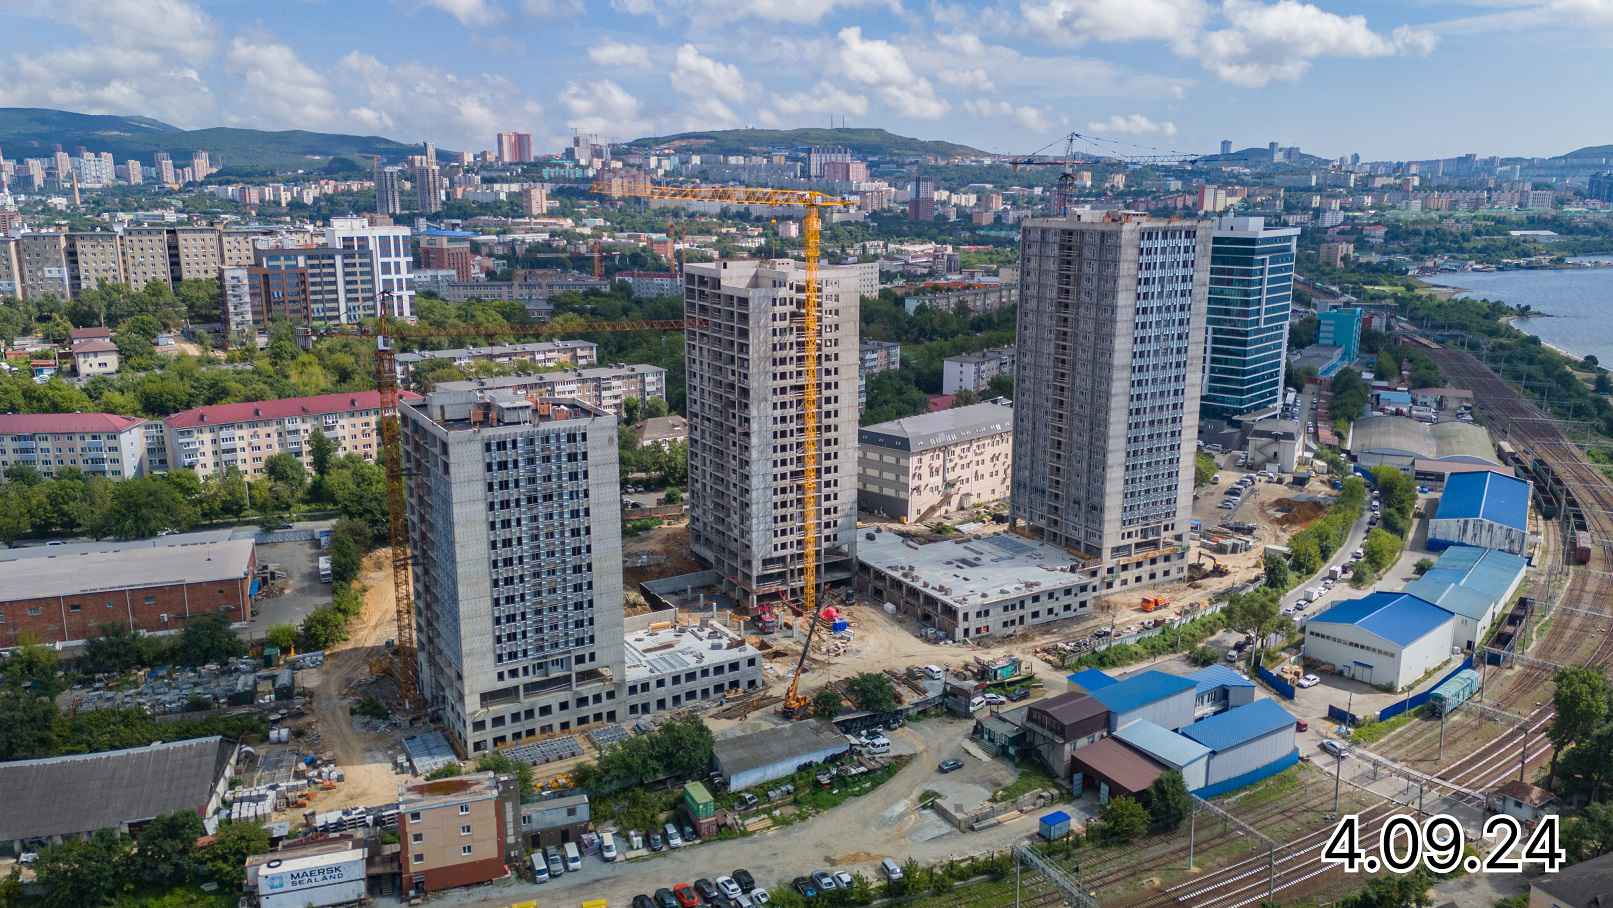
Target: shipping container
<point x="312" y="882"/>
<point x="1055" y="825"/>
<point x="1455" y="692"/>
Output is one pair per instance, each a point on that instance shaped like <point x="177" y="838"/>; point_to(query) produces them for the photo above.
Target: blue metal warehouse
<point x="1247" y="744"/>
<point x="1489" y="510"/>
<point x="1474" y="584"/>
<point x="1162" y="698"/>
<point x="1385" y="639"/>
<point x="1219" y="689"/>
<point x="1166" y="747"/>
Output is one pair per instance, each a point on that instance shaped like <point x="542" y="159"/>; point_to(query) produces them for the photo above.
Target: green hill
<point x="27" y="132"/>
<point x="1590" y="151"/>
<point x="866" y="142"/>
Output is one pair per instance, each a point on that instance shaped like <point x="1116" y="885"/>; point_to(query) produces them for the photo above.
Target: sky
<point x="1389" y="79"/>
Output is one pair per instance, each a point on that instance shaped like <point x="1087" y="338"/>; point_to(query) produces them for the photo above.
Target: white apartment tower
<point x="1110" y="358"/>
<point x="515" y="525"/>
<point x="391" y="254"/>
<point x="746" y="375"/>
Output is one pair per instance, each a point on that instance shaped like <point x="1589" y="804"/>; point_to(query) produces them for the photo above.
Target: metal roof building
<point x="1219" y="688"/>
<point x="1160" y="697"/>
<point x="1385" y="639"/>
<point x="1178" y="752"/>
<point x="935" y="430"/>
<point x="1090" y="679"/>
<point x="1113" y="768"/>
<point x="747" y="760"/>
<point x="1474" y="584"/>
<point x="1246" y="744"/>
<point x="1399" y="441"/>
<point x="1489" y="510"/>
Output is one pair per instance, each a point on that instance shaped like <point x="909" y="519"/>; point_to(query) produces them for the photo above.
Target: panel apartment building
<point x="212" y="439"/>
<point x="1111" y="348"/>
<point x="515" y="522"/>
<point x="1246" y="321"/>
<point x="63" y="265"/>
<point x="745" y="377"/>
<point x="98" y="444"/>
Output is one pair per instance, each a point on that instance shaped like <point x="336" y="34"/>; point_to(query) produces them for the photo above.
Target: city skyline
<point x="1006" y="77"/>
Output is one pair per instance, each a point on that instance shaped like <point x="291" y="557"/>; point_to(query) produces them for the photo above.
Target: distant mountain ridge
<point x="33" y="132"/>
<point x="861" y="141"/>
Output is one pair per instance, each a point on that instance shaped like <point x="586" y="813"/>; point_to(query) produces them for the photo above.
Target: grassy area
<point x="1030" y="778"/>
<point x="812" y="799"/>
<point x="1372" y="732"/>
<point x="1275" y="788"/>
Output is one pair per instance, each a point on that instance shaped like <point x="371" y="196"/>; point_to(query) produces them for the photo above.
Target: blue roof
<point x="443" y="231"/>
<point x="1161" y="743"/>
<point x="1227" y="730"/>
<point x="1490" y="495"/>
<point x="1469" y="581"/>
<point x="1140" y="690"/>
<point x="1057" y="816"/>
<point x="1091" y="679"/>
<point x="1213" y="676"/>
<point x="1399" y="618"/>
<point x="1395" y="397"/>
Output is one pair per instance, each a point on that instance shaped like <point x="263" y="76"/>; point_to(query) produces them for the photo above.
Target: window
<point x="417" y="837"/>
<point x="465" y="829"/>
<point x="414" y="817"/>
<point x="464" y="850"/>
<point x="419" y="858"/>
<point x="464" y="809"/>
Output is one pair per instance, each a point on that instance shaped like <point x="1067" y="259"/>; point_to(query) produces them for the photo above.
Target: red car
<point x="1302" y="725"/>
<point x="686" y="896"/>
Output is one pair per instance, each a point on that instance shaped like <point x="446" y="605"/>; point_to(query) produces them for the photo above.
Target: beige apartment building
<point x="915" y="468"/>
<point x="145" y="256"/>
<point x="194" y="253"/>
<point x="211" y="440"/>
<point x="605" y="387"/>
<point x="454" y="832"/>
<point x="42" y="265"/>
<point x="65" y="264"/>
<point x="93" y="259"/>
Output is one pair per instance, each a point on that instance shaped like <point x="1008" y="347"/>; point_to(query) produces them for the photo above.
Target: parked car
<point x="707" y="889"/>
<point x="951" y="764"/>
<point x="557" y="864"/>
<point x="744" y="879"/>
<point x="1302" y="725"/>
<point x="607" y="846"/>
<point x="688" y="834"/>
<point x="1309" y="681"/>
<point x="891" y="869"/>
<point x="1232" y="655"/>
<point x="760" y="896"/>
<point x="656" y="844"/>
<point x="540" y="869"/>
<point x="977" y="704"/>
<point x="686" y="896"/>
<point x="665" y="899"/>
<point x="1336" y="748"/>
<point x="1018" y="694"/>
<point x="729" y="887"/>
<point x="993" y="699"/>
<point x="805" y="887"/>
<point x="843" y="879"/>
<point x="643" y="901"/>
<point x="746" y="800"/>
<point x="672" y="838"/>
<point x="824" y="881"/>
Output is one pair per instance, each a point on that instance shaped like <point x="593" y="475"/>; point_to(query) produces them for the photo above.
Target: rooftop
<point x="1070" y="707"/>
<point x="983" y="355"/>
<point x="52" y="423"/>
<point x="120" y="545"/>
<point x="1239" y="724"/>
<point x="476" y="786"/>
<point x="84" y="792"/>
<point x="743" y="753"/>
<point x="974" y="571"/>
<point x="285" y="408"/>
<point x="1582" y="885"/>
<point x="1469" y="580"/>
<point x="1213" y="676"/>
<point x="1141" y="689"/>
<point x="1406" y="437"/>
<point x="1091" y="679"/>
<point x="1489" y="496"/>
<point x="419" y="356"/>
<point x="89" y="572"/>
<point x="659" y="427"/>
<point x="672" y="650"/>
<point x="519" y="382"/>
<point x="1162" y="744"/>
<point x="1399" y="618"/>
<point x="94" y="345"/>
<point x="935" y="430"/>
<point x="1532" y="795"/>
<point x="1120" y="764"/>
<point x="473" y="410"/>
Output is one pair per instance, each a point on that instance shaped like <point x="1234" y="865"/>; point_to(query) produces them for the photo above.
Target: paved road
<point x="853" y="836"/>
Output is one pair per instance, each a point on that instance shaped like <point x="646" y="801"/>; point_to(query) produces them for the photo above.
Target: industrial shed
<point x="747" y="760"/>
<point x="1400" y="442"/>
<point x="1088" y="680"/>
<point x="1113" y="769"/>
<point x="1166" y="747"/>
<point x="1161" y="698"/>
<point x="1474" y="584"/>
<point x="1218" y="688"/>
<point x="1056" y="726"/>
<point x="1385" y="639"/>
<point x="1488" y="510"/>
<point x="1246" y="744"/>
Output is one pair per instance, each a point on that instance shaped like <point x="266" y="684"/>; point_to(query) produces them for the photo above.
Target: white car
<point x="728" y="887"/>
<point x="1309" y="681"/>
<point x="1335" y="748"/>
<point x="994" y="699"/>
<point x="760" y="896"/>
<point x="977" y="704"/>
<point x="843" y="878"/>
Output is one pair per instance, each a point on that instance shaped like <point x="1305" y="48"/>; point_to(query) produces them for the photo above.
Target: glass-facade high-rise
<point x="1246" y="325"/>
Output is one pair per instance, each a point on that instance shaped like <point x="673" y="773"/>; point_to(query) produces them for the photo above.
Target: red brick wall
<point x="63" y="619"/>
<point x="458" y="875"/>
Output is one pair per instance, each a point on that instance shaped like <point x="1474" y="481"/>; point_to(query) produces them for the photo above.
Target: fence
<point x="1283" y="688"/>
<point x="1106" y="642"/>
<point x="1342" y="715"/>
<point x="1416" y="700"/>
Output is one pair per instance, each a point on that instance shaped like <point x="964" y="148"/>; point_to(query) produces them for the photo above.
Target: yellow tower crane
<point x="811" y="203"/>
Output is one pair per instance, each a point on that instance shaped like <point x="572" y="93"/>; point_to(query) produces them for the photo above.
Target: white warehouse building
<point x="1388" y="640"/>
<point x="1489" y="510"/>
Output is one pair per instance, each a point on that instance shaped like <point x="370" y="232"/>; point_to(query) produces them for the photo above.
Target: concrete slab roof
<point x="973" y="571"/>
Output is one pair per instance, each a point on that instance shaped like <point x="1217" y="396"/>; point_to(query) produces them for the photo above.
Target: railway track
<point x="1573" y="638"/>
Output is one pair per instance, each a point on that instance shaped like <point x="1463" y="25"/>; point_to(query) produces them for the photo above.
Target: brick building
<point x="454" y="831"/>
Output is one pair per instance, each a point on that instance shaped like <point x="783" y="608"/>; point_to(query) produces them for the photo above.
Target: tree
<point x="655" y="408"/>
<point x="964" y="397"/>
<point x="167" y="848"/>
<point x="1423" y="566"/>
<point x="1277" y="573"/>
<point x="632" y="409"/>
<point x="1305" y="555"/>
<point x="1000" y="386"/>
<point x="506" y="765"/>
<point x="872" y="691"/>
<point x="80" y="873"/>
<point x="1204" y="467"/>
<point x="26" y="724"/>
<point x="1256" y="613"/>
<point x="286" y="470"/>
<point x="346" y="559"/>
<point x="1590" y="834"/>
<point x="282" y="636"/>
<point x="322" y="628"/>
<point x="1581" y="701"/>
<point x="1380" y="549"/>
<point x="225" y="859"/>
<point x="137" y="338"/>
<point x="1168" y="801"/>
<point x="322" y="450"/>
<point x="206" y="639"/>
<point x="142" y="508"/>
<point x="1388" y="366"/>
<point x="1123" y="820"/>
<point x="825" y="704"/>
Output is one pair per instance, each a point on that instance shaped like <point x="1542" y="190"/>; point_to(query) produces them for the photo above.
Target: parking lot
<point x="304" y="591"/>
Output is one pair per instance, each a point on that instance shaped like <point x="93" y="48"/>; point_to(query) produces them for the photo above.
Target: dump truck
<point x="1151" y="603"/>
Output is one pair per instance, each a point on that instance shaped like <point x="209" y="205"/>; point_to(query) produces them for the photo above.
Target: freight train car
<point x="1455" y="692"/>
<point x="1582" y="547"/>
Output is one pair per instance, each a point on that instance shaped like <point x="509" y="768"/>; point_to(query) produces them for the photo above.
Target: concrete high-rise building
<point x="388" y="189"/>
<point x="134" y="173"/>
<point x="514" y="147"/>
<point x="515" y="524"/>
<point x="1226" y="146"/>
<point x="165" y="168"/>
<point x="535" y="200"/>
<point x="1246" y="320"/>
<point x="745" y="375"/>
<point x="428" y="189"/>
<point x="391" y="256"/>
<point x="921" y="206"/>
<point x="93" y="259"/>
<point x="819" y="158"/>
<point x="200" y="165"/>
<point x="312" y="286"/>
<point x="1110" y="351"/>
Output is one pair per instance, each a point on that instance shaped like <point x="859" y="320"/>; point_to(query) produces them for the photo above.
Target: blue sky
<point x="1408" y="79"/>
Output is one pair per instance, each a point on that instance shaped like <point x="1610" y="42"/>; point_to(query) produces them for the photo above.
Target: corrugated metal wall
<point x="1173" y="712"/>
<point x="1251" y="755"/>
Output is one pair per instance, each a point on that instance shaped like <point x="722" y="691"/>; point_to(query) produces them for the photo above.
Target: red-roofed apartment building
<point x="212" y="439"/>
<point x="101" y="444"/>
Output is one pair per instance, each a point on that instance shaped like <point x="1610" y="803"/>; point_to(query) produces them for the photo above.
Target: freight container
<point x="1455" y="692"/>
<point x="316" y="880"/>
<point x="1582" y="547"/>
<point x="1055" y="825"/>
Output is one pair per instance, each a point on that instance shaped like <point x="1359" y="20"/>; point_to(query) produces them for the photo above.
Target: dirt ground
<point x="1293" y="514"/>
<point x="660" y="552"/>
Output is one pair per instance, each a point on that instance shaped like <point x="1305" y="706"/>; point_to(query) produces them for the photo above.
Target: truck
<point x="324" y="569"/>
<point x="1150" y="603"/>
<point x="1335" y="572"/>
<point x="316" y="880"/>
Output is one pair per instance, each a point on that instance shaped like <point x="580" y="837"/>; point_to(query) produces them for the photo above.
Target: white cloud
<point x="602" y="107"/>
<point x="966" y="77"/>
<point x="1028" y="116"/>
<point x="415" y="102"/>
<point x="1132" y="125"/>
<point x="961" y="59"/>
<point x="108" y="80"/>
<point x="698" y="75"/>
<point x="470" y="13"/>
<point x="548" y="9"/>
<point x="280" y="89"/>
<point x="801" y="12"/>
<point x="617" y="53"/>
<point x="1264" y="43"/>
<point x="881" y="66"/>
<point x="1073" y="21"/>
<point x="168" y="26"/>
<point x="789" y="110"/>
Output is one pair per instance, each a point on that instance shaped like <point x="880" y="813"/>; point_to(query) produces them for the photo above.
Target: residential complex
<point x="746" y="424"/>
<point x="1246" y="319"/>
<point x="669" y="668"/>
<point x="974" y="371"/>
<point x="605" y="387"/>
<point x="213" y="439"/>
<point x="914" y="468"/>
<point x="64" y="265"/>
<point x="515" y="524"/>
<point x="391" y="258"/>
<point x="1111" y="347"/>
<point x="98" y="444"/>
<point x="877" y="357"/>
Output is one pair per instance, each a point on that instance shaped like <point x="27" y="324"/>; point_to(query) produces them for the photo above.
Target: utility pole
<point x="1338" y="778"/>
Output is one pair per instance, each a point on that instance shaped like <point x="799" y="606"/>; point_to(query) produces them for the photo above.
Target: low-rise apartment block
<point x="213" y="439"/>
<point x="914" y="468"/>
<point x="99" y="444"/>
<point x="672" y="667"/>
<point x="455" y="832"/>
<point x="605" y="387"/>
<point x="650" y="283"/>
<point x="974" y="371"/>
<point x="877" y="357"/>
<point x="542" y="354"/>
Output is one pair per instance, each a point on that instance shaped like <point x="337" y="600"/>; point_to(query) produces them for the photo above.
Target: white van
<point x="934" y="672"/>
<point x="607" y="846"/>
<point x="892" y="870"/>
<point x="573" y="857"/>
<point x="673" y="840"/>
<point x="540" y="868"/>
<point x="877" y="746"/>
